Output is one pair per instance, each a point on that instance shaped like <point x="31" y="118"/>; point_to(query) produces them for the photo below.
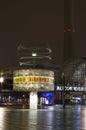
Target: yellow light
<point x="33" y="79"/>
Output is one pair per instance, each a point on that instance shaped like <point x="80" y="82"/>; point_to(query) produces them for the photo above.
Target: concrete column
<point x="33" y="100"/>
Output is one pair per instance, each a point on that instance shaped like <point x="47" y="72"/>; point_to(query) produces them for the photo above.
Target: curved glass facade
<point x="71" y="85"/>
<point x="74" y="72"/>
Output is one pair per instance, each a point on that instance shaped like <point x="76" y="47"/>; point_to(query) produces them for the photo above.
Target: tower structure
<point x="69" y="28"/>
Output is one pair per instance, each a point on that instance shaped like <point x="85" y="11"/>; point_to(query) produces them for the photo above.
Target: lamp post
<point x="63" y="84"/>
<point x="1" y="81"/>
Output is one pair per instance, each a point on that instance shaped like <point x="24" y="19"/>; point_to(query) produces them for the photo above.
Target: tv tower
<point x="69" y="28"/>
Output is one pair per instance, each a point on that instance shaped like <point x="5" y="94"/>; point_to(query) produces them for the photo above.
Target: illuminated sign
<point x="70" y="88"/>
<point x="33" y="80"/>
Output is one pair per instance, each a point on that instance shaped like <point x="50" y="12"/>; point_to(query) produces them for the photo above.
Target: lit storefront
<point x="74" y="95"/>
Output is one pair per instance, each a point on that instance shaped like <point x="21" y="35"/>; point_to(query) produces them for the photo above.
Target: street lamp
<point x="34" y="54"/>
<point x="63" y="84"/>
<point x="1" y="81"/>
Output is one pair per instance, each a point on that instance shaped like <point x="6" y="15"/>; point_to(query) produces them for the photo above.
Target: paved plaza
<point x="49" y="118"/>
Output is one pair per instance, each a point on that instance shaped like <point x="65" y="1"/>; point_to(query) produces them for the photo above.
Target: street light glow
<point x="34" y="54"/>
<point x="1" y="79"/>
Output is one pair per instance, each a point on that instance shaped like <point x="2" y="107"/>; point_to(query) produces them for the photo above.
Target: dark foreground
<point x="50" y="118"/>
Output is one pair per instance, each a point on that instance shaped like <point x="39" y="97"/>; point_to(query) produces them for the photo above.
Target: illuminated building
<point x="75" y="81"/>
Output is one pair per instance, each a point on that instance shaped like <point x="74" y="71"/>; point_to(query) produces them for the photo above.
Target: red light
<point x="64" y="30"/>
<point x="69" y="30"/>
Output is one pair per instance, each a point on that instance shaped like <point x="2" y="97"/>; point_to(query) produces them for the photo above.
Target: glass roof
<point x="74" y="71"/>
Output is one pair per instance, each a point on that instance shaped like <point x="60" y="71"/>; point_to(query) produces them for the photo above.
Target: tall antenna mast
<point x="69" y="28"/>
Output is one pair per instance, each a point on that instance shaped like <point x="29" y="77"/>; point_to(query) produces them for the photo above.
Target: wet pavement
<point x="49" y="118"/>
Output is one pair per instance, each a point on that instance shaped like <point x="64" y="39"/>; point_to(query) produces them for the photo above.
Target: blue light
<point x="48" y="94"/>
<point x="77" y="98"/>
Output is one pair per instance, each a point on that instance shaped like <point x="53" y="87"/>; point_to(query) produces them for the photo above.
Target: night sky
<point x="24" y="21"/>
